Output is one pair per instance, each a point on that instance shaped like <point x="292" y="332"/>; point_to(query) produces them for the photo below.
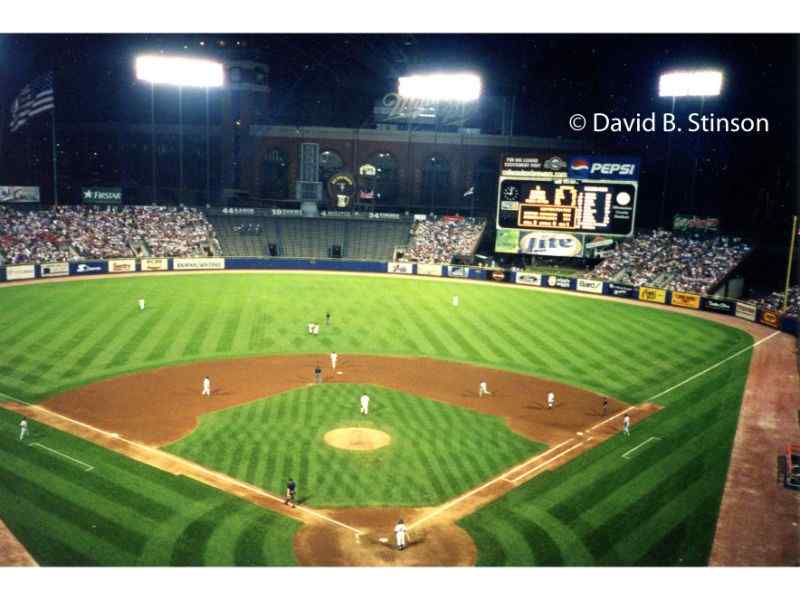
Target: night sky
<point x="334" y="80"/>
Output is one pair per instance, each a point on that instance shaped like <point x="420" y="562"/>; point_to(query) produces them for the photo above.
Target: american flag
<point x="34" y="99"/>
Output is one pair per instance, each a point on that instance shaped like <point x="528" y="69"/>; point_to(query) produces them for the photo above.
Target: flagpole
<point x="789" y="265"/>
<point x="55" y="153"/>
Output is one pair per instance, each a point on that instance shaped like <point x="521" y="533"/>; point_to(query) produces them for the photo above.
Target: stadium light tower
<point x="688" y="83"/>
<point x="181" y="72"/>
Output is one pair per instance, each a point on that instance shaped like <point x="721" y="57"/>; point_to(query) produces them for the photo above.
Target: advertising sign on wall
<point x="746" y="311"/>
<point x="769" y="317"/>
<point x="122" y="265"/>
<point x="18" y="193"/>
<point x="155" y="264"/>
<point x="653" y="295"/>
<point x="559" y="282"/>
<point x="529" y="278"/>
<point x="54" y="269"/>
<point x="457" y="271"/>
<point x="685" y="299"/>
<point x="719" y="305"/>
<point x="88" y="267"/>
<point x="589" y="286"/>
<point x="197" y="264"/>
<point x="17" y="272"/>
<point x="101" y="195"/>
<point x="432" y="270"/>
<point x="400" y="267"/>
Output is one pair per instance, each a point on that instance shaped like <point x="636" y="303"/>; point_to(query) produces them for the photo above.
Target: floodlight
<point x="690" y="83"/>
<point x="460" y="87"/>
<point x="184" y="72"/>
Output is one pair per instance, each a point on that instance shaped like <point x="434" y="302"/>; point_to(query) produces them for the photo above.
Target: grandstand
<point x="359" y="238"/>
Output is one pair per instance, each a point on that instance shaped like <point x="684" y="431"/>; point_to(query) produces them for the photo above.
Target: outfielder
<point x="291" y="491"/>
<point x="483" y="390"/>
<point x="364" y="404"/>
<point x="334" y="356"/>
<point x="455" y="300"/>
<point x="206" y="386"/>
<point x="327" y="318"/>
<point x="626" y="425"/>
<point x="23" y="429"/>
<point x="551" y="400"/>
<point x="141" y="304"/>
<point x="400" y="534"/>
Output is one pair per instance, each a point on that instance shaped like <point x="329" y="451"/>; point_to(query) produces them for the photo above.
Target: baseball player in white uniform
<point x="23" y="429"/>
<point x="551" y="400"/>
<point x="400" y="534"/>
<point x="455" y="300"/>
<point x="334" y="356"/>
<point x="626" y="425"/>
<point x="206" y="386"/>
<point x="141" y="304"/>
<point x="364" y="404"/>
<point x="483" y="390"/>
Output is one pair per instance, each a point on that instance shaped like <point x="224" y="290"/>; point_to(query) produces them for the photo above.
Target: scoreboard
<point x="594" y="207"/>
<point x="575" y="196"/>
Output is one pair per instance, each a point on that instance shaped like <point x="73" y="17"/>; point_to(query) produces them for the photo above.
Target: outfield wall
<point x="686" y="300"/>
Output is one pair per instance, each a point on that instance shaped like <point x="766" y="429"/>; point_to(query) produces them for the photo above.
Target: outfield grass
<point x="123" y="512"/>
<point x="437" y="452"/>
<point x="58" y="336"/>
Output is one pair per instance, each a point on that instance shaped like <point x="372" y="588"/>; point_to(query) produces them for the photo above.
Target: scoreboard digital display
<point x="574" y="206"/>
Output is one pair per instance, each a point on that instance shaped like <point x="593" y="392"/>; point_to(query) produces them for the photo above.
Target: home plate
<point x="580" y="433"/>
<point x="340" y="372"/>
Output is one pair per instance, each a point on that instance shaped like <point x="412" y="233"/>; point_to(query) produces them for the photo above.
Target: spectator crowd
<point x="775" y="301"/>
<point x="438" y="240"/>
<point x="680" y="262"/>
<point x="78" y="232"/>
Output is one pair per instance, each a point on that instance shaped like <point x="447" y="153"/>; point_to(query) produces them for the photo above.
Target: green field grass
<point x="122" y="512"/>
<point x="437" y="451"/>
<point x="58" y="336"/>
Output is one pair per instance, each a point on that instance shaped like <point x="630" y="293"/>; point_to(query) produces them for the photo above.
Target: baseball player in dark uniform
<point x="318" y="374"/>
<point x="291" y="491"/>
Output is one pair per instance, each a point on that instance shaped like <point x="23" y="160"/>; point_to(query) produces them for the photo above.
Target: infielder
<point x="626" y="425"/>
<point x="141" y="304"/>
<point x="318" y="374"/>
<point x="315" y="328"/>
<point x="364" y="404"/>
<point x="605" y="406"/>
<point x="483" y="390"/>
<point x="400" y="534"/>
<point x="327" y="318"/>
<point x="334" y="356"/>
<point x="291" y="491"/>
<point x="206" y="386"/>
<point x="23" y="429"/>
<point x="551" y="400"/>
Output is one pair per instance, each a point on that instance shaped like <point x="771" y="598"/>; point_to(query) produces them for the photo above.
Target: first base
<point x="383" y="540"/>
<point x="340" y="372"/>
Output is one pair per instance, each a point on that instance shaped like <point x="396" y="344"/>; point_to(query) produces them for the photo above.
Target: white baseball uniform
<point x="626" y="425"/>
<point x="483" y="390"/>
<point x="23" y="429"/>
<point x="315" y="329"/>
<point x="206" y="386"/>
<point x="334" y="356"/>
<point x="400" y="535"/>
<point x="141" y="304"/>
<point x="551" y="400"/>
<point x="455" y="300"/>
<point x="364" y="404"/>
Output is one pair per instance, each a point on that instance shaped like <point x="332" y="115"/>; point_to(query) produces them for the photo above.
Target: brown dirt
<point x="357" y="439"/>
<point x="12" y="553"/>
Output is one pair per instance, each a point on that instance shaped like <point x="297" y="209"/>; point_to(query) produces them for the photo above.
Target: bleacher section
<point x="309" y="238"/>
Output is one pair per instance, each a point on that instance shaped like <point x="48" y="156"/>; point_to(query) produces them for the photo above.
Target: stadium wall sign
<point x="559" y="282"/>
<point x="621" y="290"/>
<point x="545" y="243"/>
<point x="604" y="167"/>
<point x="458" y="271"/>
<point x="104" y="195"/>
<point x="529" y="278"/>
<point x="405" y="109"/>
<point x="88" y="267"/>
<point x="125" y="265"/>
<point x="649" y="294"/>
<point x="719" y="305"/>
<point x="769" y="317"/>
<point x="17" y="272"/>
<point x="746" y="311"/>
<point x="428" y="269"/>
<point x="197" y="264"/>
<point x="12" y="194"/>
<point x="685" y="300"/>
<point x="399" y="267"/>
<point x="54" y="269"/>
<point x="342" y="189"/>
<point x="589" y="286"/>
<point x="154" y="264"/>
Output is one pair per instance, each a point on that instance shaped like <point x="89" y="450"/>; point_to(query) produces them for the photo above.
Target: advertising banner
<point x="457" y="271"/>
<point x="499" y="275"/>
<point x="545" y="243"/>
<point x="621" y="290"/>
<point x="559" y="282"/>
<point x="719" y="305"/>
<point x="432" y="270"/>
<point x="54" y="269"/>
<point x="746" y="311"/>
<point x="694" y="223"/>
<point x="197" y="264"/>
<point x="604" y="167"/>
<point x="769" y="317"/>
<point x="653" y="295"/>
<point x="17" y="272"/>
<point x="589" y="286"/>
<point x="154" y="264"/>
<point x="122" y="265"/>
<point x="88" y="267"/>
<point x="101" y="195"/>
<point x="529" y="278"/>
<point x="685" y="299"/>
<point x="399" y="267"/>
<point x="18" y="193"/>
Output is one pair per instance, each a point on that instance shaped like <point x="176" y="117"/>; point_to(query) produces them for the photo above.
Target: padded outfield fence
<point x="689" y="301"/>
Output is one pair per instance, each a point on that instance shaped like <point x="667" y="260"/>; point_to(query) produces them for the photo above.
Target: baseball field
<point x="127" y="464"/>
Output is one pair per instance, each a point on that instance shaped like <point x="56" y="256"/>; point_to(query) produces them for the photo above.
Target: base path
<point x="12" y="553"/>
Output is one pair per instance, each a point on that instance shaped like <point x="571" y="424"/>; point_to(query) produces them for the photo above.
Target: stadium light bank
<point x="680" y="84"/>
<point x="441" y="87"/>
<point x="180" y="71"/>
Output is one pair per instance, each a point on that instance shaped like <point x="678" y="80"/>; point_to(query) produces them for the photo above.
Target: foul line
<point x="612" y="417"/>
<point x="547" y="462"/>
<point x="49" y="449"/>
<point x="647" y="441"/>
<point x="712" y="367"/>
<point x="178" y="459"/>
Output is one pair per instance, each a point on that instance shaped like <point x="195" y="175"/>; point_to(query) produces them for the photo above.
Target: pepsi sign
<point x="604" y="167"/>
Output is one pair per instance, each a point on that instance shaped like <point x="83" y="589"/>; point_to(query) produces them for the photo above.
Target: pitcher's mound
<point x="357" y="438"/>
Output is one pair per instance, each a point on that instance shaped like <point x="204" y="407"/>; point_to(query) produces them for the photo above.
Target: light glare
<point x="690" y="83"/>
<point x="462" y="87"/>
<point x="184" y="72"/>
